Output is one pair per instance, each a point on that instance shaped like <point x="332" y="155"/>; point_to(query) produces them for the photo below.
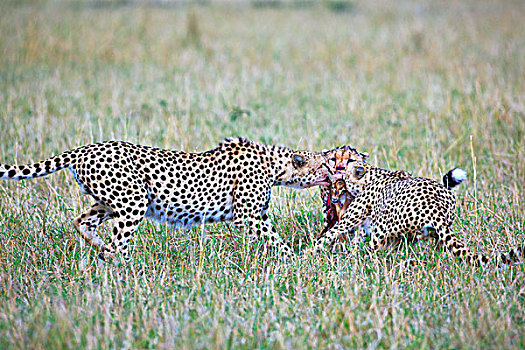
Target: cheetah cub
<point x="398" y="206"/>
<point x="129" y="182"/>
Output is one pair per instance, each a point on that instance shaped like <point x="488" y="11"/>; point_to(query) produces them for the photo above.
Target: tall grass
<point x="421" y="86"/>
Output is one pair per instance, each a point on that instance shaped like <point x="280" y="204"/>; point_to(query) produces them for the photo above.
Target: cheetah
<point x="397" y="206"/>
<point x="129" y="182"/>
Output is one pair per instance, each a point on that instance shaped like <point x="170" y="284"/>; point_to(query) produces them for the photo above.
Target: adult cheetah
<point x="397" y="206"/>
<point x="129" y="182"/>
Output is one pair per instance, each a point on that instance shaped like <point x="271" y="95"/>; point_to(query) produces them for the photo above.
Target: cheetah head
<point x="357" y="174"/>
<point x="302" y="169"/>
<point x="340" y="158"/>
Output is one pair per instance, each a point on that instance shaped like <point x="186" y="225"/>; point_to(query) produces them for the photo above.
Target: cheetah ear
<point x="359" y="172"/>
<point x="365" y="155"/>
<point x="298" y="161"/>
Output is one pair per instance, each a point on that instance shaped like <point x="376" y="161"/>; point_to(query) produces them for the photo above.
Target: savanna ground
<point x="422" y="86"/>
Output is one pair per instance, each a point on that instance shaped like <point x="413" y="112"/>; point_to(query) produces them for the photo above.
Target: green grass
<point x="421" y="86"/>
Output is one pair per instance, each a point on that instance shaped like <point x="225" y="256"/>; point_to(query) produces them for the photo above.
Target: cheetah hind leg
<point x="123" y="232"/>
<point x="87" y="224"/>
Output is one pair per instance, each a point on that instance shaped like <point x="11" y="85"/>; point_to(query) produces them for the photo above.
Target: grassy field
<point x="421" y="86"/>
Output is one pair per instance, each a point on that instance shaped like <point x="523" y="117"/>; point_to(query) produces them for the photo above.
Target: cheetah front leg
<point x="252" y="213"/>
<point x="262" y="228"/>
<point x="355" y="214"/>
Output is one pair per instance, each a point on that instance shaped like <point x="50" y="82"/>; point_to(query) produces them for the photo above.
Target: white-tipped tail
<point x="459" y="175"/>
<point x="454" y="177"/>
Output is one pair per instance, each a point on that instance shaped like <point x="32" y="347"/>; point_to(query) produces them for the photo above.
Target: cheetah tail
<point x="454" y="177"/>
<point x="30" y="171"/>
<point x="514" y="255"/>
<point x="500" y="259"/>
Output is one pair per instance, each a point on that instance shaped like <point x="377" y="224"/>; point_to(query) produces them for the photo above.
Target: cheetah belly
<point x="179" y="214"/>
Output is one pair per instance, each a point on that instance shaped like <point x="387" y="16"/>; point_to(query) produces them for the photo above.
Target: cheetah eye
<point x="360" y="172"/>
<point x="298" y="161"/>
